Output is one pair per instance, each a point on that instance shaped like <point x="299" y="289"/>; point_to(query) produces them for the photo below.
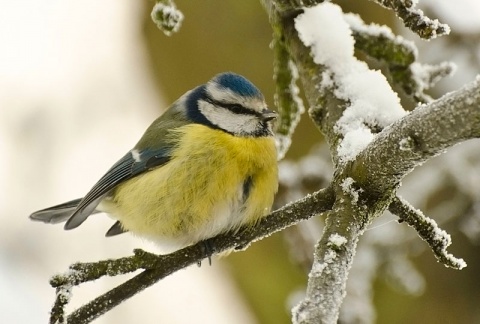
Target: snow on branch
<point x="319" y="306"/>
<point x="424" y="133"/>
<point x="167" y="17"/>
<point x="399" y="55"/>
<point x="79" y="273"/>
<point x="353" y="105"/>
<point x="380" y="42"/>
<point x="412" y="17"/>
<point x="421" y="77"/>
<point x="372" y="104"/>
<point x="415" y="19"/>
<point x="428" y="230"/>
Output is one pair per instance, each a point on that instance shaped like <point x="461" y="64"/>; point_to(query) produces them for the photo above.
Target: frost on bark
<point x="365" y="185"/>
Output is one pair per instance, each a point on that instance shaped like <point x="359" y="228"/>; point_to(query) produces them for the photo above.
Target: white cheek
<point x="227" y="120"/>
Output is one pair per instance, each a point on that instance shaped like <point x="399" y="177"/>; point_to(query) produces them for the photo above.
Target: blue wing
<point x="132" y="164"/>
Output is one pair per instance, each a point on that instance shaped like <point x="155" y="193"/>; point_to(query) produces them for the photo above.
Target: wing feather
<point x="129" y="166"/>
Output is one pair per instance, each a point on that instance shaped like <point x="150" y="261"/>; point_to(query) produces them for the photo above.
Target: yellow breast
<point x="200" y="192"/>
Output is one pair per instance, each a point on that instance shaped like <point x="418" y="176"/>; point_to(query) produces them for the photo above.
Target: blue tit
<point x="208" y="165"/>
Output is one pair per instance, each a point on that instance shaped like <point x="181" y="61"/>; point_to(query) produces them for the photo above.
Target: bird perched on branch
<point x="206" y="166"/>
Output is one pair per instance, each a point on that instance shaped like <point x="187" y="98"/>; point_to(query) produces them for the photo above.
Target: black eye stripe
<point x="234" y="108"/>
<point x="237" y="109"/>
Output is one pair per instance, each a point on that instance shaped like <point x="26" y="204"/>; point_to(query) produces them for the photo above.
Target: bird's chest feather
<point x="214" y="182"/>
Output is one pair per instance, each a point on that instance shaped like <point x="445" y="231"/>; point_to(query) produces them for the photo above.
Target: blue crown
<point x="237" y="84"/>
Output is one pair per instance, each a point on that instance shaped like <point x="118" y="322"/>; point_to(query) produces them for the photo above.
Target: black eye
<point x="237" y="109"/>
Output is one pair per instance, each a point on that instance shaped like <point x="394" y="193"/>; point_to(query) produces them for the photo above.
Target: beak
<point x="268" y="115"/>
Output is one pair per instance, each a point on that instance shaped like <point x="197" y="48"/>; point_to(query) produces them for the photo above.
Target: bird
<point x="206" y="166"/>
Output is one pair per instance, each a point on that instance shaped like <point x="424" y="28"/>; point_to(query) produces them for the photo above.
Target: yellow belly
<point x="199" y="193"/>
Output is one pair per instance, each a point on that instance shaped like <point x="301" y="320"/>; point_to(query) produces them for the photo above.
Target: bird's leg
<point x="208" y="248"/>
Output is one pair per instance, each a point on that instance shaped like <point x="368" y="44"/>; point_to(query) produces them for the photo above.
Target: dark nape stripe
<point x="193" y="112"/>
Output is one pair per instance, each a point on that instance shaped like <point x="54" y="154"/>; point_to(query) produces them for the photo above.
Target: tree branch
<point x="332" y="262"/>
<point x="399" y="57"/>
<point x="423" y="134"/>
<point x="366" y="187"/>
<point x="158" y="267"/>
<point x="428" y="230"/>
<point x="325" y="107"/>
<point x="287" y="100"/>
<point x="415" y="19"/>
<point x="375" y="176"/>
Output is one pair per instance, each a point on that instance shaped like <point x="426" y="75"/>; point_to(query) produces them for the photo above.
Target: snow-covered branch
<point x="415" y="19"/>
<point x="399" y="57"/>
<point x="426" y="132"/>
<point x="428" y="230"/>
<point x="412" y="17"/>
<point x="373" y="141"/>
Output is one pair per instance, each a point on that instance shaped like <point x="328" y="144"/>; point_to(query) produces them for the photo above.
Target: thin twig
<point x="287" y="100"/>
<point x="415" y="19"/>
<point x="428" y="230"/>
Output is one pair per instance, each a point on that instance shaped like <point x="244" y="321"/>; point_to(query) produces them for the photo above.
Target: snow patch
<point x="347" y="187"/>
<point x="358" y="24"/>
<point x="406" y="144"/>
<point x="337" y="240"/>
<point x="372" y="103"/>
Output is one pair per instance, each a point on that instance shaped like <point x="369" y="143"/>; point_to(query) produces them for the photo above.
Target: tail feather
<point x="56" y="214"/>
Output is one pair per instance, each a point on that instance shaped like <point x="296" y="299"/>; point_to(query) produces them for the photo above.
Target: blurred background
<point x="79" y="83"/>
